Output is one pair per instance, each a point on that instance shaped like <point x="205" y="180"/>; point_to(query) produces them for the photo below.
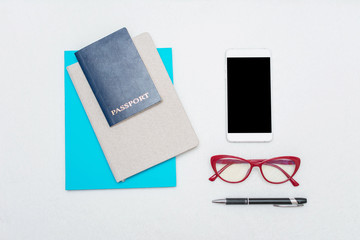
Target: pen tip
<point x="223" y="201"/>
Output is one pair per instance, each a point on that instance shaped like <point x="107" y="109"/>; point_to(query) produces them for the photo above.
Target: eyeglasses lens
<point x="278" y="170"/>
<point x="232" y="170"/>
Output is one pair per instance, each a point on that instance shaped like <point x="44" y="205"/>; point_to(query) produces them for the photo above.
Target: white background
<point x="316" y="82"/>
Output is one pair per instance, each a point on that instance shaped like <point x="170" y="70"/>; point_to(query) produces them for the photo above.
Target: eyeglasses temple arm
<point x="294" y="183"/>
<point x="213" y="177"/>
<point x="282" y="161"/>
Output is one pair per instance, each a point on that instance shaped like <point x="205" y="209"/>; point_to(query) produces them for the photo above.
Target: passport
<point x="117" y="76"/>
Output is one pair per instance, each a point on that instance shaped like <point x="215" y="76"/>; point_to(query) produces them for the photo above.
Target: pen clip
<point x="293" y="201"/>
<point x="288" y="205"/>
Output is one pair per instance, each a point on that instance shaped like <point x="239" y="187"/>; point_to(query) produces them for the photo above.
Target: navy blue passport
<point x="117" y="76"/>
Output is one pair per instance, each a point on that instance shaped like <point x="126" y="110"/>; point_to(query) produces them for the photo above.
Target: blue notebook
<point x="83" y="149"/>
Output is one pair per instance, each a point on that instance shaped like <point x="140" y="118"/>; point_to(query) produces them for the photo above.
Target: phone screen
<point x="248" y="95"/>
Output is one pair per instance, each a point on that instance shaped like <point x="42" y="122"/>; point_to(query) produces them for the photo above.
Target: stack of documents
<point x="145" y="139"/>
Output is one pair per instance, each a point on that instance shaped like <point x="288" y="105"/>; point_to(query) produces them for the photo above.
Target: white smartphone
<point x="248" y="95"/>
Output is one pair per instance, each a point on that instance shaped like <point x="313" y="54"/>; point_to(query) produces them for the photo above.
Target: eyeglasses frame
<point x="255" y="163"/>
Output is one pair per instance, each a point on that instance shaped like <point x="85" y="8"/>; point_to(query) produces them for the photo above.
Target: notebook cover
<point x="147" y="139"/>
<point x="85" y="164"/>
<point x="117" y="76"/>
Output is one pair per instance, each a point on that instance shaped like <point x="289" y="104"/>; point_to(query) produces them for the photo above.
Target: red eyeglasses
<point x="233" y="169"/>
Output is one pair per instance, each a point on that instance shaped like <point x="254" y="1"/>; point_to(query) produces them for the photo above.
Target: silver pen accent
<point x="223" y="201"/>
<point x="293" y="201"/>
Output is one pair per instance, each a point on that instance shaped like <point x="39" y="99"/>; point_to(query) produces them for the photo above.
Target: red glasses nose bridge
<point x="257" y="162"/>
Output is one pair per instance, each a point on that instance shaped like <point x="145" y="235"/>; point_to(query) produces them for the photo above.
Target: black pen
<point x="277" y="202"/>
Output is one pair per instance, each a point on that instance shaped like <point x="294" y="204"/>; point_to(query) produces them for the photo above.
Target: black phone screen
<point x="248" y="95"/>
